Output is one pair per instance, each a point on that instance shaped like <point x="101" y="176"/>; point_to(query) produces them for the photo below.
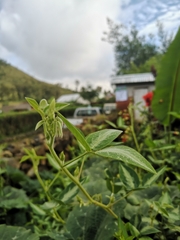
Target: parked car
<point x="109" y="107"/>
<point x="87" y="112"/>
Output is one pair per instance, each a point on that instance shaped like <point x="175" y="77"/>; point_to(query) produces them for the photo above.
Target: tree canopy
<point x="133" y="50"/>
<point x="89" y="93"/>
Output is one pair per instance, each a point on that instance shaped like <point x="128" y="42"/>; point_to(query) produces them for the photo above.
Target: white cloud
<point x="144" y="14"/>
<point x="59" y="40"/>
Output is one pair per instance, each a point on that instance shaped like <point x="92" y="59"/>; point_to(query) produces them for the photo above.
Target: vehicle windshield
<point x="87" y="112"/>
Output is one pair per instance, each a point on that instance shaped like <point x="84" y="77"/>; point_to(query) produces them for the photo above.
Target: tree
<point x="89" y="93"/>
<point x="6" y="91"/>
<point x="151" y="65"/>
<point x="165" y="39"/>
<point x="77" y="84"/>
<point x="131" y="48"/>
<point x="2" y="74"/>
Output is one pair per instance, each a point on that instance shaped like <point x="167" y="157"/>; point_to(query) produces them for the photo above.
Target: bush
<point x="14" y="123"/>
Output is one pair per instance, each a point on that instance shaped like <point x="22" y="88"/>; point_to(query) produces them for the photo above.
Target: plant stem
<point x="54" y="179"/>
<point x="126" y="195"/>
<point x="56" y="214"/>
<point x="135" y="138"/>
<point x="132" y="128"/>
<point x="81" y="168"/>
<point x="74" y="160"/>
<point x="77" y="183"/>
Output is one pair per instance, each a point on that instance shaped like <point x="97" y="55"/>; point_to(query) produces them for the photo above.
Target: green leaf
<point x="36" y="209"/>
<point x="57" y="236"/>
<point x="103" y="138"/>
<point x="145" y="238"/>
<point x="59" y="106"/>
<point x="111" y="124"/>
<point x="13" y="198"/>
<point x="128" y="176"/>
<point x="43" y="103"/>
<point x="149" y="143"/>
<point x="24" y="158"/>
<point x="122" y="229"/>
<point x="121" y="124"/>
<point x="127" y="155"/>
<point x="34" y="105"/>
<point x="39" y="124"/>
<point x="113" y="187"/>
<point x="136" y="220"/>
<point x="133" y="230"/>
<point x="133" y="200"/>
<point x="75" y="132"/>
<point x="148" y="230"/>
<point x="165" y="199"/>
<point x="68" y="193"/>
<point x="53" y="162"/>
<point x="166" y="97"/>
<point x="166" y="147"/>
<point x="129" y="210"/>
<point x="174" y="214"/>
<point x="175" y="114"/>
<point x="71" y="163"/>
<point x="2" y="171"/>
<point x="158" y="207"/>
<point x="51" y="108"/>
<point x="18" y="233"/>
<point x="150" y="178"/>
<point x="49" y="205"/>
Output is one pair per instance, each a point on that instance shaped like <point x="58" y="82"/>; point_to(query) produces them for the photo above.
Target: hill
<point x="15" y="85"/>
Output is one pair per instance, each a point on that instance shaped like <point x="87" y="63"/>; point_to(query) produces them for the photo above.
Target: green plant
<point x="14" y="123"/>
<point x="96" y="195"/>
<point x="152" y="141"/>
<point x="98" y="144"/>
<point x="166" y="97"/>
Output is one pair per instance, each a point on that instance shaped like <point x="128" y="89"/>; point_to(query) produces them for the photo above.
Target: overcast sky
<point x="60" y="40"/>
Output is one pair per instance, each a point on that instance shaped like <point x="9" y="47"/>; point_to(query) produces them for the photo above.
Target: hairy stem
<point x="77" y="183"/>
<point x="56" y="214"/>
<point x="132" y="127"/>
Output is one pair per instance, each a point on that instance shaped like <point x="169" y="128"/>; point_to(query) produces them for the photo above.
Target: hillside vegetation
<point x="15" y="85"/>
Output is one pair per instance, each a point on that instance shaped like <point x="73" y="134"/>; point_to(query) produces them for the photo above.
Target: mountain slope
<point x="16" y="85"/>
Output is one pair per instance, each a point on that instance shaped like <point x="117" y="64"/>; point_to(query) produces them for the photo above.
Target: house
<point x="132" y="87"/>
<point x="75" y="97"/>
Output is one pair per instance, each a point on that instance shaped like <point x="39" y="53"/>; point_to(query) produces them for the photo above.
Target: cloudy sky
<point x="60" y="41"/>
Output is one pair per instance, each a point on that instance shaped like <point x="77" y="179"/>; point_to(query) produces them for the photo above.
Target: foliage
<point x="153" y="64"/>
<point x="9" y="232"/>
<point x="104" y="192"/>
<point x="97" y="144"/>
<point x="108" y="190"/>
<point x="150" y="139"/>
<point x="131" y="49"/>
<point x="89" y="93"/>
<point x="14" y="123"/>
<point x="166" y="98"/>
<point x="165" y="39"/>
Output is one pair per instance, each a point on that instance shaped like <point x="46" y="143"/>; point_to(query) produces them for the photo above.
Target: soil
<point x="13" y="150"/>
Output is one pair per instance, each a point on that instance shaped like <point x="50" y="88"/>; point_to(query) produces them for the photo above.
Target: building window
<point x="121" y="94"/>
